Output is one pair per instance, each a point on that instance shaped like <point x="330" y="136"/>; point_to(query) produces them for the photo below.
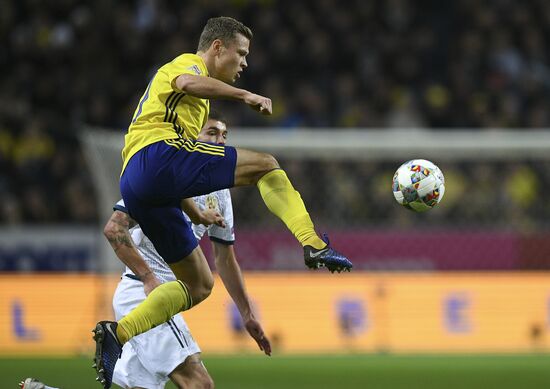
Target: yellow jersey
<point x="164" y="112"/>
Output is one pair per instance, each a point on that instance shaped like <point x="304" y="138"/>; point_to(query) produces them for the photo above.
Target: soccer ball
<point x="418" y="185"/>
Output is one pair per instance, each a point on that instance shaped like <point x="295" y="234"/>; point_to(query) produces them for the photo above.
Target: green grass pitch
<point x="319" y="372"/>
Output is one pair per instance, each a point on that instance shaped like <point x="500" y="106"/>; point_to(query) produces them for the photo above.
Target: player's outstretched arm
<point x="211" y="88"/>
<point x="117" y="233"/>
<point x="230" y="273"/>
<point x="197" y="216"/>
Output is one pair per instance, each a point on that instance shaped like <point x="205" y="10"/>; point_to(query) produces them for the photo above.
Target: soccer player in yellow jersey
<point x="163" y="163"/>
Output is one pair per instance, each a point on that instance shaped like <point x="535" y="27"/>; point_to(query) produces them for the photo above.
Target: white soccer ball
<point x="418" y="185"/>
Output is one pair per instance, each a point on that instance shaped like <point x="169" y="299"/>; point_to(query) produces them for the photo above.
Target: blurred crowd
<point x="383" y="64"/>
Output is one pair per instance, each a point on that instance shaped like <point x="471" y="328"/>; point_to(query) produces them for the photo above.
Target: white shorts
<point x="149" y="358"/>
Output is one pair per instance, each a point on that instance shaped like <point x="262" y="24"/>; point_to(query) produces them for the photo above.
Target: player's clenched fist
<point x="259" y="103"/>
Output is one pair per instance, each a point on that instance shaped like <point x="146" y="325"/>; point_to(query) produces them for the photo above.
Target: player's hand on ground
<point x="259" y="103"/>
<point x="255" y="330"/>
<point x="150" y="282"/>
<point x="211" y="216"/>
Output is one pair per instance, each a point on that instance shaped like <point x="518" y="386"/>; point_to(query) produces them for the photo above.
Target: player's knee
<point x="192" y="374"/>
<point x="202" y="290"/>
<point x="200" y="381"/>
<point x="203" y="293"/>
<point x="206" y="382"/>
<point x="265" y="164"/>
<point x="269" y="163"/>
<point x="207" y="285"/>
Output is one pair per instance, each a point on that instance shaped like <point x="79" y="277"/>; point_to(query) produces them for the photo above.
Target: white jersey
<point x="219" y="200"/>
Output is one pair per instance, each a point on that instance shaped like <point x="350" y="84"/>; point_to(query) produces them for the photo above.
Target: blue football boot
<point x="326" y="257"/>
<point x="107" y="351"/>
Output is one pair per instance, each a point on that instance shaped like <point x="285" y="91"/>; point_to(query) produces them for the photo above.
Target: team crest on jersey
<point x="195" y="69"/>
<point x="212" y="202"/>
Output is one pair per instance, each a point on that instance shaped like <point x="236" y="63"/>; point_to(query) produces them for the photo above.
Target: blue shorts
<point x="160" y="175"/>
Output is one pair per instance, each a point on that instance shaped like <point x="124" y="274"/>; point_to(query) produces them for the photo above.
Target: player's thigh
<point x="192" y="374"/>
<point x="167" y="228"/>
<point x="252" y="165"/>
<point x="195" y="272"/>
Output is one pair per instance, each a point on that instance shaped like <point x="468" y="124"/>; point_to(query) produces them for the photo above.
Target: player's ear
<point x="217" y="46"/>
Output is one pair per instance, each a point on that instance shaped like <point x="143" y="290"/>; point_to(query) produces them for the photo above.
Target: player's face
<point x="231" y="60"/>
<point x="213" y="131"/>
